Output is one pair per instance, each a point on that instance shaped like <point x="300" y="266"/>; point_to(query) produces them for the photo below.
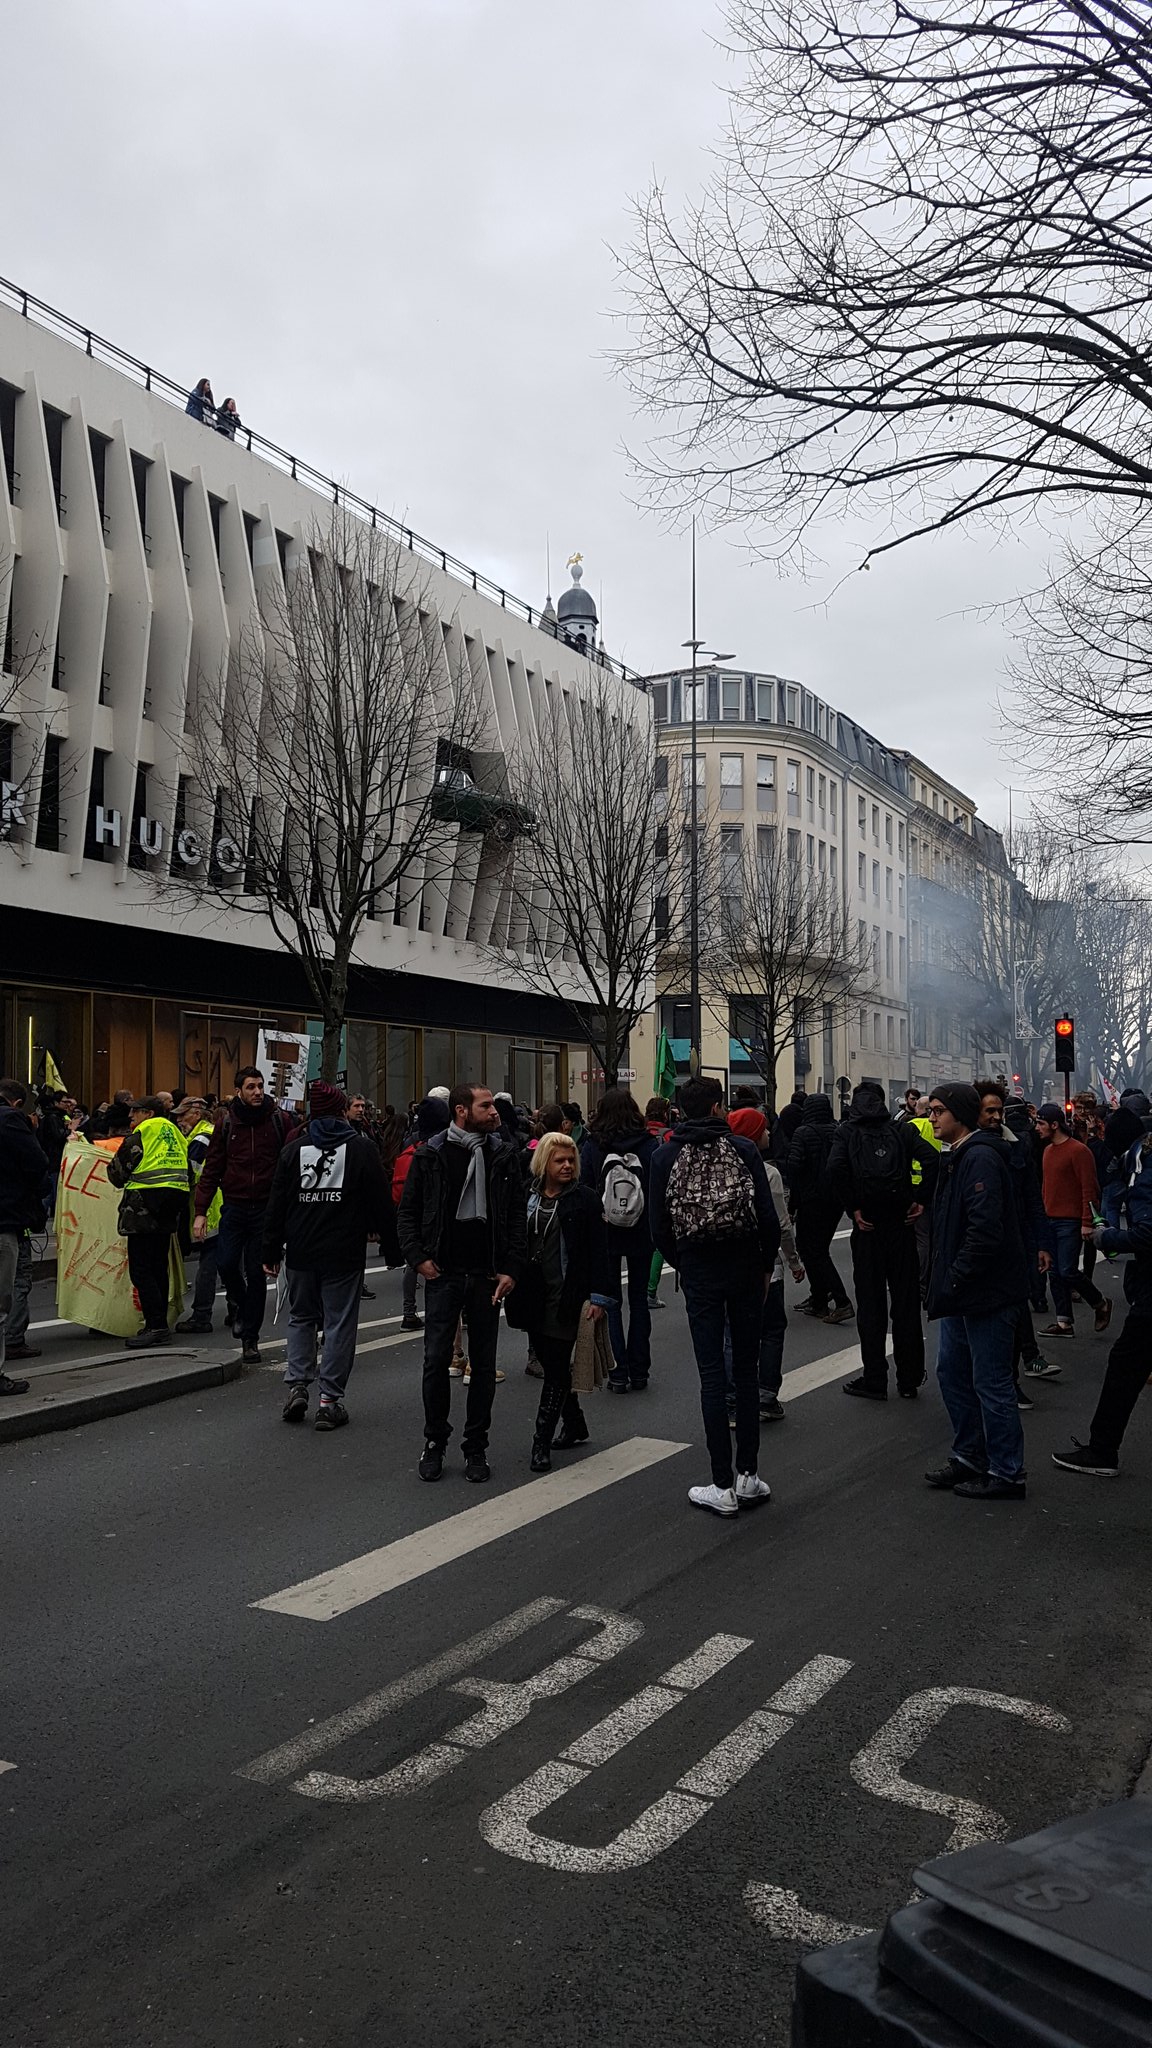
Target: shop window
<point x="439" y="1060"/>
<point x="121" y="1046"/>
<point x="470" y="1061"/>
<point x="401" y="1084"/>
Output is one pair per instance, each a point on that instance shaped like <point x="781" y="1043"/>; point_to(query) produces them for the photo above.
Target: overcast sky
<point x="386" y="230"/>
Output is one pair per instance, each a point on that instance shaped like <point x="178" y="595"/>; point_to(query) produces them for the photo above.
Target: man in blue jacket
<point x="977" y="1280"/>
<point x="714" y="1219"/>
<point x="1128" y="1228"/>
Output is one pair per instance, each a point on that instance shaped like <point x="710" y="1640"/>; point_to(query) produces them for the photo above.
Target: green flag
<point x="664" y="1081"/>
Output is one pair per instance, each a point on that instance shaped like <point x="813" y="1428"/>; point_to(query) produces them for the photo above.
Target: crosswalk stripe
<point x="335" y="1592"/>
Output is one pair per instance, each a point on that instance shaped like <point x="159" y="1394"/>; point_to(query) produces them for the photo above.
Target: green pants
<point x="654" y="1271"/>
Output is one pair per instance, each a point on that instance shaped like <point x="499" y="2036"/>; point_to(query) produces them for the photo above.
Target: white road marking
<point x="396" y="1564"/>
<point x="506" y="1825"/>
<point x="289" y="1756"/>
<point x="55" y="1323"/>
<point x="877" y="1767"/>
<point x="505" y="1706"/>
<point x="6" y="1767"/>
<point x="781" y="1915"/>
<point x="805" y="1379"/>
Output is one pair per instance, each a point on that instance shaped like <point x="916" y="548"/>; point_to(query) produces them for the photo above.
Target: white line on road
<point x="395" y="1564"/>
<point x="807" y="1378"/>
<point x="288" y="1758"/>
<point x="878" y="1766"/>
<point x="781" y="1915"/>
<point x="7" y="1767"/>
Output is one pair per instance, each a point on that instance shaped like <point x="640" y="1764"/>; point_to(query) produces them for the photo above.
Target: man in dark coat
<point x="870" y="1171"/>
<point x="977" y="1281"/>
<point x="817" y="1211"/>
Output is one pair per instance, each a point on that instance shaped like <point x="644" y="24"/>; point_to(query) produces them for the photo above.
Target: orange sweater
<point x="1070" y="1184"/>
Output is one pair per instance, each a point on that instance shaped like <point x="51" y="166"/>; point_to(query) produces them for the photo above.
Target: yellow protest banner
<point x="92" y="1284"/>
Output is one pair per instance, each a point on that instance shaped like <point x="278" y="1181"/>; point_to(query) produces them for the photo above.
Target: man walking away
<point x="753" y="1125"/>
<point x="240" y="1164"/>
<point x="25" y="1191"/>
<point x="787" y="1125"/>
<point x="713" y="1218"/>
<point x="152" y="1169"/>
<point x="1128" y="1229"/>
<point x="329" y="1195"/>
<point x="978" y="1279"/>
<point x="1071" y="1193"/>
<point x="817" y="1211"/>
<point x="870" y="1170"/>
<point x="615" y="1160"/>
<point x="463" y="1226"/>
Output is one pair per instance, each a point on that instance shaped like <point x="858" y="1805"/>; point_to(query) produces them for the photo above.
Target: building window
<point x="903" y="1034"/>
<point x="793" y="789"/>
<point x="822" y="795"/>
<point x="731" y="868"/>
<point x="876" y="949"/>
<point x="659" y="696"/>
<point x="833" y="864"/>
<point x="809" y="791"/>
<point x="54" y="435"/>
<point x="862" y="940"/>
<point x="179" y="498"/>
<point x="765" y="782"/>
<point x="875" y="1030"/>
<point x="794" y="847"/>
<point x="888" y="830"/>
<point x="891" y="1032"/>
<point x="862" y="873"/>
<point x="875" y="881"/>
<point x="888" y="887"/>
<point x="900" y="839"/>
<point x="731" y="782"/>
<point x="48" y="816"/>
<point x="216" y="508"/>
<point x="686" y="772"/>
<point x="792" y="698"/>
<point x="766" y="703"/>
<point x="8" y="396"/>
<point x="903" y="960"/>
<point x="832" y="803"/>
<point x="888" y="955"/>
<point x="661" y="771"/>
<point x="875" y="824"/>
<point x="862" y="1027"/>
<point x="140" y="468"/>
<point x="766" y="845"/>
<point x="811" y="851"/>
<point x="99" y="444"/>
<point x="822" y="858"/>
<point x="900" y="895"/>
<point x="699" y="692"/>
<point x="862" y="813"/>
<point x="250" y="524"/>
<point x="731" y="692"/>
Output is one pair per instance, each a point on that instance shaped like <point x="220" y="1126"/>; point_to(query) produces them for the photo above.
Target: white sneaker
<point x="751" y="1488"/>
<point x="719" y="1500"/>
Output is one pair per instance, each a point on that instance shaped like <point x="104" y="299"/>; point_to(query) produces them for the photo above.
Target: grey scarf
<point x="473" y="1204"/>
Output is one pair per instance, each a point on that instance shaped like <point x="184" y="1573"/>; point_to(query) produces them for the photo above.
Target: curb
<point x="69" y="1411"/>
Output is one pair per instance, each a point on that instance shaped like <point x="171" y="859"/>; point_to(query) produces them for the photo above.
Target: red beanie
<point x="748" y="1123"/>
<point x="325" y="1099"/>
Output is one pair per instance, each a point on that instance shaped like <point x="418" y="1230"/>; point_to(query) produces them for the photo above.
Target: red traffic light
<point x="1063" y="1027"/>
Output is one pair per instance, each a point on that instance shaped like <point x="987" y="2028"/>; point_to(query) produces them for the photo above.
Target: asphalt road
<point x="609" y="1823"/>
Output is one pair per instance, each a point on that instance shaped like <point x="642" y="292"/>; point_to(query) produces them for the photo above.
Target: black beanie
<point x="961" y="1099"/>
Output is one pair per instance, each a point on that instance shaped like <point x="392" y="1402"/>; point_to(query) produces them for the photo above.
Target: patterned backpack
<point x="711" y="1198"/>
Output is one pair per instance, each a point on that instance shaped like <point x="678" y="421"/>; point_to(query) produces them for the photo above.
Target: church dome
<point x="576" y="603"/>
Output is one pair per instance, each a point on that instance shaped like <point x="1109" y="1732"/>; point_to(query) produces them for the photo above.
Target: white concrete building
<point x="137" y="548"/>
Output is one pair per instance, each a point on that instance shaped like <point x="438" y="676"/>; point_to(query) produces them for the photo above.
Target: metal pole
<point x="694" y="1053"/>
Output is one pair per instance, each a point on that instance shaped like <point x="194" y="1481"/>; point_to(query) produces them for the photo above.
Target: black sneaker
<point x="863" y="1391"/>
<point x="1082" y="1458"/>
<point x="617" y="1382"/>
<point x="412" y="1322"/>
<point x="194" y="1326"/>
<point x="771" y="1411"/>
<point x="1023" y="1398"/>
<point x="911" y="1393"/>
<point x="945" y="1478"/>
<point x="296" y="1406"/>
<point x="250" y="1355"/>
<point x="476" y="1467"/>
<point x="991" y="1489"/>
<point x="10" y="1386"/>
<point x="431" y="1465"/>
<point x="148" y="1340"/>
<point x="331" y="1415"/>
<point x="367" y="1294"/>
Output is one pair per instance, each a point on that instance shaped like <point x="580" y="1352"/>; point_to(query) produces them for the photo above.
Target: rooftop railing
<point x="104" y="351"/>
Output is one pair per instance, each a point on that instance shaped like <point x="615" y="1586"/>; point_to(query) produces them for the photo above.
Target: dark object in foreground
<point x="1041" y="1943"/>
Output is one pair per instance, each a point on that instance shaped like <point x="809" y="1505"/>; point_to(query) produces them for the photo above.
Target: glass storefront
<point x="98" y="1043"/>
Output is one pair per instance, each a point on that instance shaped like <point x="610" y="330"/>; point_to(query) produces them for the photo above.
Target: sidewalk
<point x="109" y="1383"/>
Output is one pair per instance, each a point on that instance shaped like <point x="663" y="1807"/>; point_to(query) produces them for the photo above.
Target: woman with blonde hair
<point x="563" y="1293"/>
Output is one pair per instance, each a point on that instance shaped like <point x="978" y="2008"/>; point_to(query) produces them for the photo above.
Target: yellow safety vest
<point x="924" y="1126"/>
<point x="206" y="1126"/>
<point x="165" y="1160"/>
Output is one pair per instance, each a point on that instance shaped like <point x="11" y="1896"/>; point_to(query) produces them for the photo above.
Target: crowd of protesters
<point x="966" y="1205"/>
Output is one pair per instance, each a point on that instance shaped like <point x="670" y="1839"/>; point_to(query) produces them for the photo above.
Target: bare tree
<point x="321" y="762"/>
<point x="782" y="948"/>
<point x="585" y="897"/>
<point x="920" y="276"/>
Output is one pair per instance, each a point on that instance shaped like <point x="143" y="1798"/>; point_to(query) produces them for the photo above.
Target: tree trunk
<point x="334" y="1013"/>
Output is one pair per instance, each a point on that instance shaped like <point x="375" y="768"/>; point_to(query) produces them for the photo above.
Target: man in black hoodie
<point x="977" y="1281"/>
<point x="816" y="1210"/>
<point x="870" y="1172"/>
<point x="329" y="1195"/>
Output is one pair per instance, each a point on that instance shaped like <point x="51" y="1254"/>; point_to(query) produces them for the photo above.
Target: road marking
<point x="781" y="1915"/>
<point x="289" y="1756"/>
<point x="6" y="1767"/>
<point x="396" y="1564"/>
<point x="805" y="1379"/>
<point x="505" y="1706"/>
<point x="877" y="1767"/>
<point x="506" y="1824"/>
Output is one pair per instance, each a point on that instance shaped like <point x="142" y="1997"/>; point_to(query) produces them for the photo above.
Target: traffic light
<point x="1065" y="1044"/>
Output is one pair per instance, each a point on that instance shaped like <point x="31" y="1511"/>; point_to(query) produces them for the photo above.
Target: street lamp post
<point x="696" y="644"/>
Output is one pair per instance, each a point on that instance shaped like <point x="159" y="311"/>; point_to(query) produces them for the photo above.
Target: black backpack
<point x="880" y="1169"/>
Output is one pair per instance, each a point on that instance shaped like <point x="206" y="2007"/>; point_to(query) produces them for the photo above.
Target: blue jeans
<point x="633" y="1355"/>
<point x="1064" y="1243"/>
<point x="773" y="1324"/>
<point x="239" y="1258"/>
<point x="726" y="1284"/>
<point x="322" y="1301"/>
<point x="974" y="1368"/>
